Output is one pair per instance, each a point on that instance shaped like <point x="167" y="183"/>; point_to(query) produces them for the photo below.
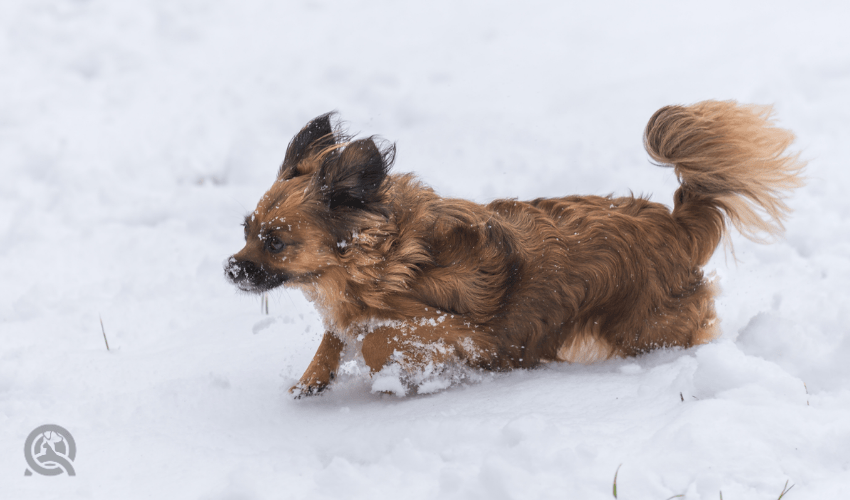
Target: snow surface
<point x="134" y="136"/>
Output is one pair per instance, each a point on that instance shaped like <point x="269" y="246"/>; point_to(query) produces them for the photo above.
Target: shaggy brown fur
<point x="422" y="279"/>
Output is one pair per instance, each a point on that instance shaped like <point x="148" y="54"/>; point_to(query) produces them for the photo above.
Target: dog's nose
<point x="238" y="270"/>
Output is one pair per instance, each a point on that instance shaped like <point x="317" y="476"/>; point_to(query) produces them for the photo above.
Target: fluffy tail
<point x="732" y="164"/>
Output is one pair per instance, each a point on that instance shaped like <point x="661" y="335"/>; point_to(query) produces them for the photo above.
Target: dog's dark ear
<point x="316" y="136"/>
<point x="353" y="177"/>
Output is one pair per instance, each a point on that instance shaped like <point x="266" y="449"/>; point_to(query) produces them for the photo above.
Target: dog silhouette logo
<point x="50" y="451"/>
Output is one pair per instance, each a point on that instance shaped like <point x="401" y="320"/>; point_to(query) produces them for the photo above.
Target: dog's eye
<point x="274" y="245"/>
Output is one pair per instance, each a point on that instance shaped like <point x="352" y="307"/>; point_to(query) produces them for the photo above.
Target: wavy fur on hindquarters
<point x="511" y="284"/>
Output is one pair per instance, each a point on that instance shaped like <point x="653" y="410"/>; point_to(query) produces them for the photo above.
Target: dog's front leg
<point x="322" y="369"/>
<point x="419" y="343"/>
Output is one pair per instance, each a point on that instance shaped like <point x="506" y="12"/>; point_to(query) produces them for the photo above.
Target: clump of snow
<point x="401" y="380"/>
<point x="389" y="380"/>
<point x="135" y="136"/>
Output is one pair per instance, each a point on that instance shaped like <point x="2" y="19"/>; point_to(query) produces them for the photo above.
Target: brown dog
<point x="424" y="281"/>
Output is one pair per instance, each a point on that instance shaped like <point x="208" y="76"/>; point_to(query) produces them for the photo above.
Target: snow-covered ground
<point x="134" y="136"/>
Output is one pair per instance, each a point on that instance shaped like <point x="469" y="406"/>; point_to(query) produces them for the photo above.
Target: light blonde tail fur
<point x="732" y="154"/>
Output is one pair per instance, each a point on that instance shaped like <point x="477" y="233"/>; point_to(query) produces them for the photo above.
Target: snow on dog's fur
<point x="425" y="281"/>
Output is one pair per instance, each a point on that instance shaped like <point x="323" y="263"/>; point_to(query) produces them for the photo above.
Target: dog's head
<point x="324" y="186"/>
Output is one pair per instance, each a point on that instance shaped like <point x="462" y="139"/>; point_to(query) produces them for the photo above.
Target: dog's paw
<point x="301" y="390"/>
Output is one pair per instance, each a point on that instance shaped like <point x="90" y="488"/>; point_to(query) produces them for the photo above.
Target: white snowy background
<point x="134" y="136"/>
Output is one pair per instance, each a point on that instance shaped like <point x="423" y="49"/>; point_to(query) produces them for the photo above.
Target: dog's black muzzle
<point x="251" y="277"/>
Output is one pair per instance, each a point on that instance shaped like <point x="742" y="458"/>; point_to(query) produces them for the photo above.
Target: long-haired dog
<point x="422" y="281"/>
